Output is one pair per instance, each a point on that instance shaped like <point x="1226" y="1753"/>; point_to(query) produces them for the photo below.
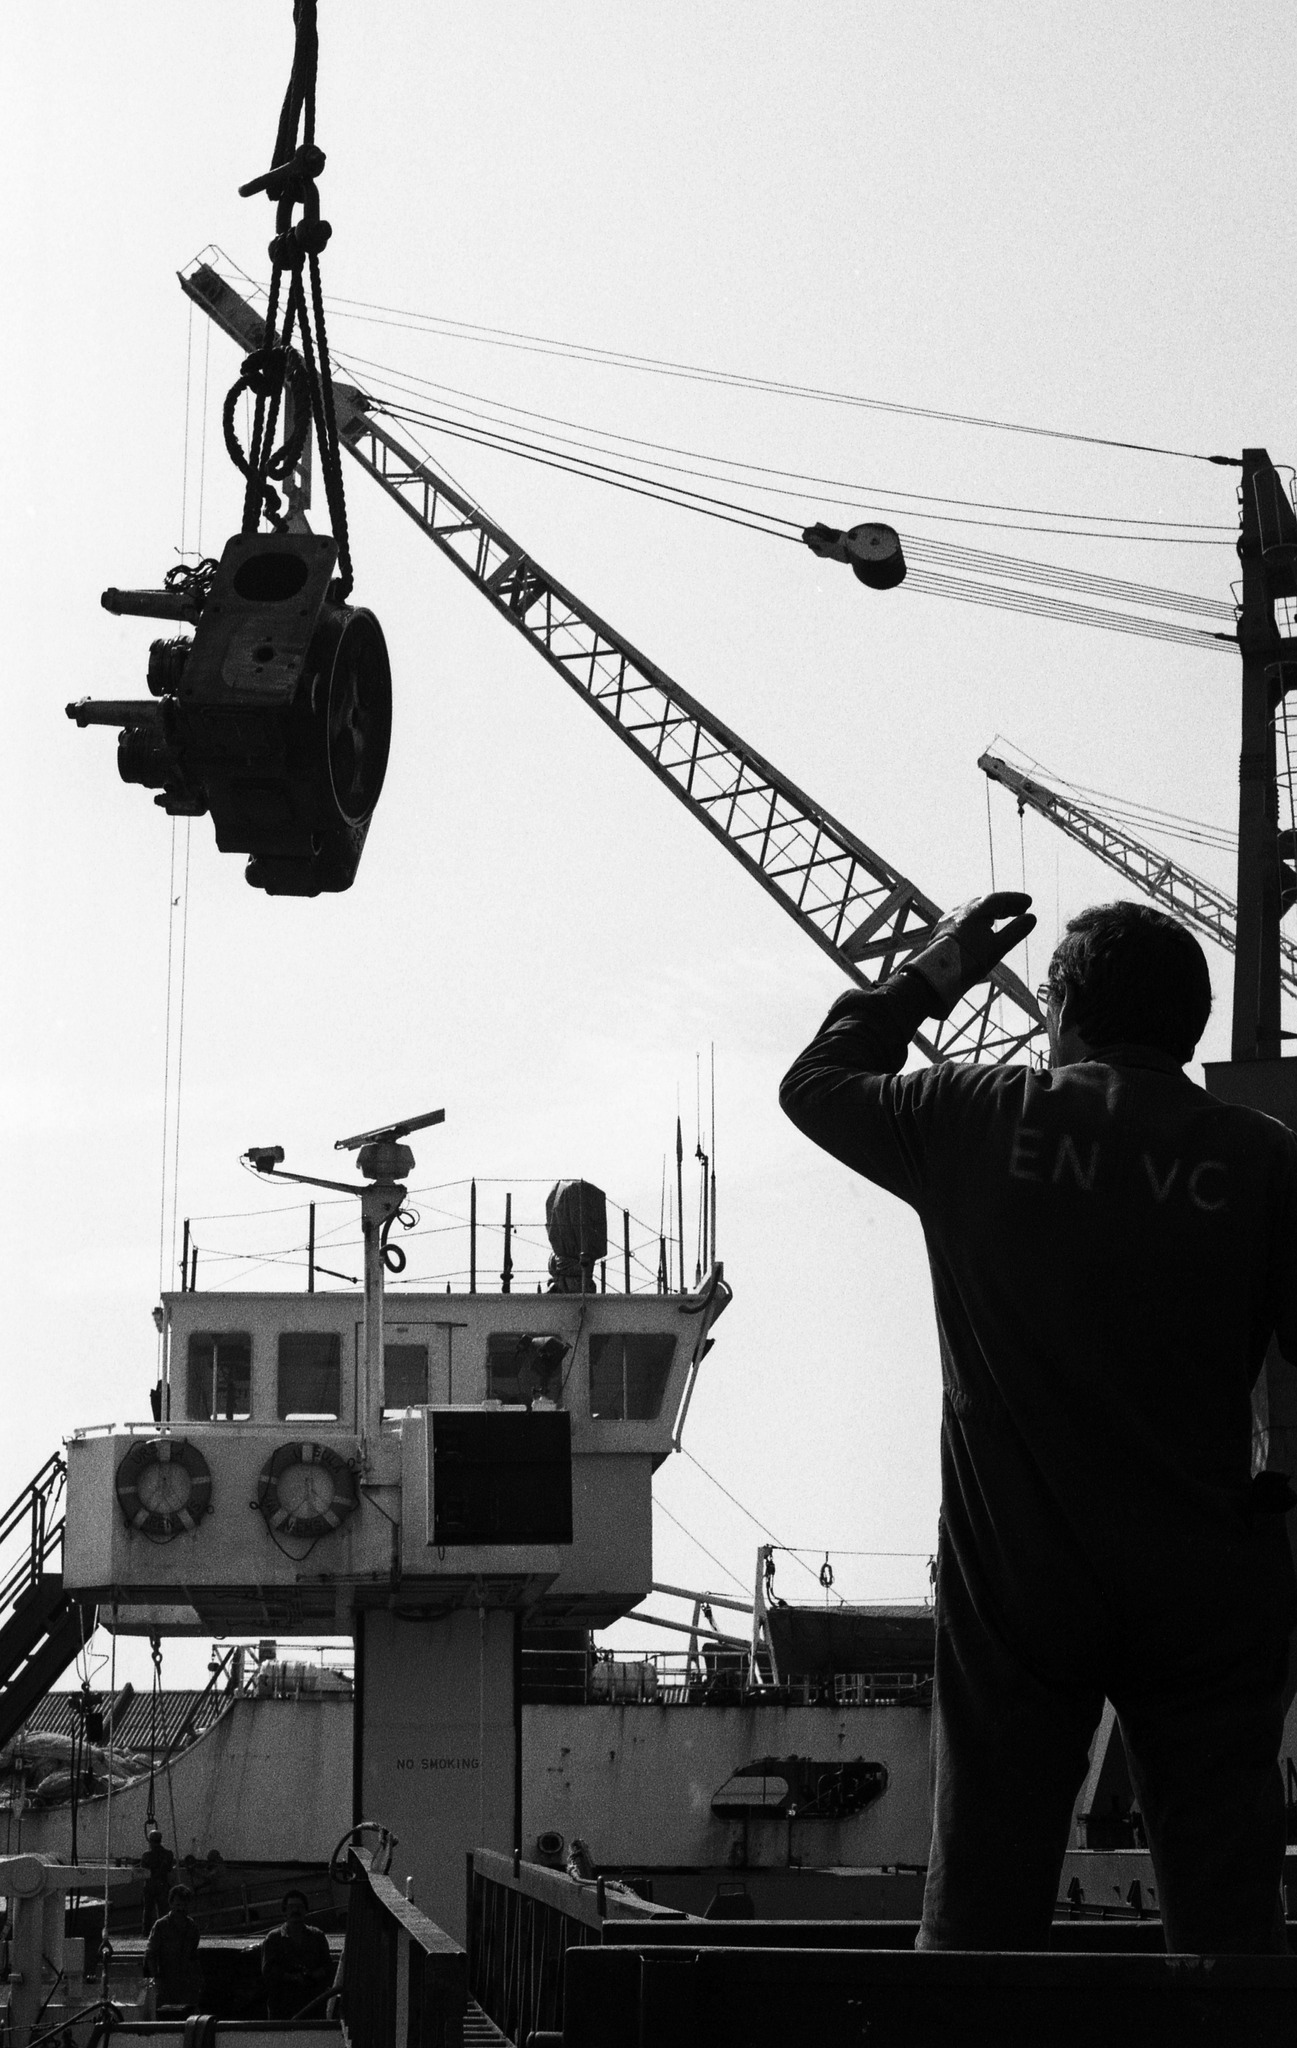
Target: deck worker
<point x="171" y="1957"/>
<point x="158" y="1864"/>
<point x="296" y="1961"/>
<point x="1111" y="1251"/>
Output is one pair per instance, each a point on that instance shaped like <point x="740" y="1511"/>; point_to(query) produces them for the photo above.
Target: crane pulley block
<point x="873" y="550"/>
<point x="276" y="715"/>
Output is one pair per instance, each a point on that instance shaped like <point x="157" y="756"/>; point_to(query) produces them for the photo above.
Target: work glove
<point x="965" y="946"/>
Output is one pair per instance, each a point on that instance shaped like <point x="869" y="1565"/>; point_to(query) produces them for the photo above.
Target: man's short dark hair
<point x="294" y="1894"/>
<point x="1135" y="977"/>
<point x="179" y="1895"/>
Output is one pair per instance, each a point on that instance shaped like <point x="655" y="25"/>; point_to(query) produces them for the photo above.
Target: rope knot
<point x="311" y="235"/>
<point x="285" y="251"/>
<point x="263" y="371"/>
<point x="290" y="179"/>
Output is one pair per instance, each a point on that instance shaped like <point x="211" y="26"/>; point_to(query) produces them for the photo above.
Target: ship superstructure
<point x="421" y="1481"/>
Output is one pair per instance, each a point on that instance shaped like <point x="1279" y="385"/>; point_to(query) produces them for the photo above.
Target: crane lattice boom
<point x="854" y="904"/>
<point x="1199" y="903"/>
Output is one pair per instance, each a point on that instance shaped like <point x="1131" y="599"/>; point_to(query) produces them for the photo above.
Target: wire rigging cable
<point x="506" y="337"/>
<point x="180" y="1043"/>
<point x="733" y="512"/>
<point x="700" y="1545"/>
<point x="755" y="1519"/>
<point x="404" y="379"/>
<point x="488" y="433"/>
<point x="661" y="480"/>
<point x="495" y="407"/>
<point x="1005" y="599"/>
<point x="173" y="1052"/>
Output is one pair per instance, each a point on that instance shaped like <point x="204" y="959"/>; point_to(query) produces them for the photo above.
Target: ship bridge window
<point x="519" y="1366"/>
<point x="310" y="1376"/>
<point x="219" y="1384"/>
<point x="628" y="1375"/>
<point x="405" y="1377"/>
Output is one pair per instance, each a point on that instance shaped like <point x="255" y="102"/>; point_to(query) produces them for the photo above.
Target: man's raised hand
<point x="965" y="945"/>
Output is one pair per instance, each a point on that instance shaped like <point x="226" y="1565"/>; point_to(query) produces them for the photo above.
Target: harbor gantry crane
<point x="1199" y="903"/>
<point x="855" y="905"/>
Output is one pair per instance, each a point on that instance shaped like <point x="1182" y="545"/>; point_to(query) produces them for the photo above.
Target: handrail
<point x="405" y="1981"/>
<point x="522" y="1920"/>
<point x="50" y="1473"/>
<point x="31" y="1568"/>
<point x="592" y="1900"/>
<point x="33" y="1509"/>
<point x="37" y="1491"/>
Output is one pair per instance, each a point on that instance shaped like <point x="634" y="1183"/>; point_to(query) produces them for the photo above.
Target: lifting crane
<point x="1199" y="903"/>
<point x="858" y="908"/>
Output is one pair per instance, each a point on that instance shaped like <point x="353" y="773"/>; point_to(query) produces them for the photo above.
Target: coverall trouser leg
<point x="1009" y="1755"/>
<point x="1204" y="1761"/>
<point x="1010" y="1750"/>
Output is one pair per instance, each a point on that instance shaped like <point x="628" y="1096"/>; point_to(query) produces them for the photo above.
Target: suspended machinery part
<point x="873" y="550"/>
<point x="851" y="902"/>
<point x="276" y="715"/>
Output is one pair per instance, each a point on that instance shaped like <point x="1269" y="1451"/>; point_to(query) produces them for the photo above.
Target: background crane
<point x="847" y="898"/>
<point x="1199" y="903"/>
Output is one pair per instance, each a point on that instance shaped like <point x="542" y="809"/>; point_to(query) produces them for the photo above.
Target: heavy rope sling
<point x="275" y="371"/>
<point x="276" y="716"/>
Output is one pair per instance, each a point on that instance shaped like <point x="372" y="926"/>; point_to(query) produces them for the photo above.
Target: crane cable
<point x="580" y="460"/>
<point x="777" y="527"/>
<point x="155" y="1703"/>
<point x="497" y="406"/>
<point x="338" y="306"/>
<point x="505" y="337"/>
<point x="943" y="553"/>
<point x="173" y="1052"/>
<point x="493" y="435"/>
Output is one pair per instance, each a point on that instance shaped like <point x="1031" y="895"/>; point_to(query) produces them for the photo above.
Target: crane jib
<point x="846" y="897"/>
<point x="1199" y="903"/>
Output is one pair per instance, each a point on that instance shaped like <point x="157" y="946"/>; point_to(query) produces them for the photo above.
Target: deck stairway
<point x="42" y="1626"/>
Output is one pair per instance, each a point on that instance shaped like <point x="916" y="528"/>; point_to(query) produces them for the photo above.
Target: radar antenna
<point x="383" y="1160"/>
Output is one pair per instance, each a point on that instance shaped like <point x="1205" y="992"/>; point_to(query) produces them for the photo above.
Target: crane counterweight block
<point x="276" y="717"/>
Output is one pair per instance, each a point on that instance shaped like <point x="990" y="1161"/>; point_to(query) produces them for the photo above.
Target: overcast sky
<point x="1074" y="218"/>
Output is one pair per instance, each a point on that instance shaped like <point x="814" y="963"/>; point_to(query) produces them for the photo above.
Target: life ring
<point x="298" y="1509"/>
<point x="164" y="1485"/>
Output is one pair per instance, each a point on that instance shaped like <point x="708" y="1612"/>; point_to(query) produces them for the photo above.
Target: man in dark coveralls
<point x="158" y="1863"/>
<point x="1111" y="1250"/>
<point x="296" y="1962"/>
<point x="172" y="1956"/>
